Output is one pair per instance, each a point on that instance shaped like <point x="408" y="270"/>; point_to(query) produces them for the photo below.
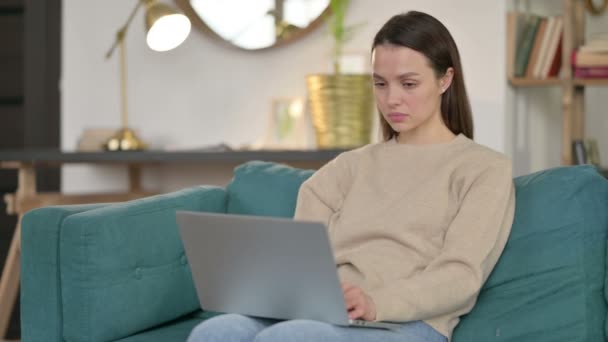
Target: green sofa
<point x="117" y="272"/>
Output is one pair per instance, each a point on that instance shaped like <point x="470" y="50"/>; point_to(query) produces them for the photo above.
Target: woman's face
<point x="407" y="90"/>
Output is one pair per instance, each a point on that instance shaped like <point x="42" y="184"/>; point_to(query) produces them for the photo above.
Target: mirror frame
<point x="197" y="21"/>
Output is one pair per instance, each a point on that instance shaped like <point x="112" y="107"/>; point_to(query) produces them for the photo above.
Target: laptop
<point x="265" y="267"/>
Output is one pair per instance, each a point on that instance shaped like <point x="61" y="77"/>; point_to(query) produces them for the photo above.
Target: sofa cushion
<point x="123" y="268"/>
<point x="548" y="284"/>
<point x="265" y="189"/>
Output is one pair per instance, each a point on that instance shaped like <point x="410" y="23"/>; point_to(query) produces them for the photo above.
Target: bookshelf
<point x="534" y="82"/>
<point x="590" y="82"/>
<point x="572" y="14"/>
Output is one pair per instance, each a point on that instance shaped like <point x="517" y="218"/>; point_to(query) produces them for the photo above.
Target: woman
<point x="416" y="222"/>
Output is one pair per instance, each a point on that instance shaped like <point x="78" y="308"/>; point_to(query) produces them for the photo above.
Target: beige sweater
<point x="417" y="227"/>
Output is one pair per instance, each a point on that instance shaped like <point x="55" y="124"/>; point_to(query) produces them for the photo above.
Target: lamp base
<point x="125" y="140"/>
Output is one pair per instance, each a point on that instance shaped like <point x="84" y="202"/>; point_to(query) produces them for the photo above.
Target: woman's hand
<point x="358" y="304"/>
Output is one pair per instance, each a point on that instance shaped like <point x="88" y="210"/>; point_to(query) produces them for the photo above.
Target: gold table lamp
<point x="166" y="29"/>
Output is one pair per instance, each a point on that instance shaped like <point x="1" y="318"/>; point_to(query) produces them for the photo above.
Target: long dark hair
<point x="427" y="35"/>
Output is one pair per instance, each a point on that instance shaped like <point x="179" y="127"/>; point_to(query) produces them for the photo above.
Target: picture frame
<point x="287" y="124"/>
<point x="586" y="152"/>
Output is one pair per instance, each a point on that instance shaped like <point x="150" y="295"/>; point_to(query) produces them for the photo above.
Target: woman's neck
<point x="438" y="136"/>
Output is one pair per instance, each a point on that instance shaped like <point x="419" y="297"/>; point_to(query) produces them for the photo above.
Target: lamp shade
<point x="166" y="28"/>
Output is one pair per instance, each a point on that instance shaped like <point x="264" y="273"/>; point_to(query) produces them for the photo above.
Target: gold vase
<point x="342" y="109"/>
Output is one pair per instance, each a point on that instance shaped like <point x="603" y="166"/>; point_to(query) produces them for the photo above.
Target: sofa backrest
<point x="549" y="282"/>
<point x="265" y="189"/>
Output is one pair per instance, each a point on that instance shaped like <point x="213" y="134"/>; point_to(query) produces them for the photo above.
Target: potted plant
<point x="341" y="105"/>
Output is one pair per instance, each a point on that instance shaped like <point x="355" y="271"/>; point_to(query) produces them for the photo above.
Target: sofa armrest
<point x="123" y="268"/>
<point x="40" y="290"/>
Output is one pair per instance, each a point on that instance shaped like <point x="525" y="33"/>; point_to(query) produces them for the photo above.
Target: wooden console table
<point x="26" y="197"/>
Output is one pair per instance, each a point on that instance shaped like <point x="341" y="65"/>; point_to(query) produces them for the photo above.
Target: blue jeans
<point x="239" y="328"/>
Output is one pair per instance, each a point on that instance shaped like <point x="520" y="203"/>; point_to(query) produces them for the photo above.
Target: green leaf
<point x="340" y="33"/>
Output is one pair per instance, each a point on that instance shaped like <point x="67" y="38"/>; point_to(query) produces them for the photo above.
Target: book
<point x="515" y="24"/>
<point x="544" y="54"/>
<point x="592" y="152"/>
<point x="534" y="59"/>
<point x="93" y="139"/>
<point x="585" y="152"/>
<point x="589" y="59"/>
<point x="556" y="64"/>
<point x="552" y="62"/>
<point x="591" y="72"/>
<point x="579" y="155"/>
<point x="524" y="46"/>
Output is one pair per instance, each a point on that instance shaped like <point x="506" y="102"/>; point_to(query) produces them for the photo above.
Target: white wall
<point x="596" y="103"/>
<point x="205" y="93"/>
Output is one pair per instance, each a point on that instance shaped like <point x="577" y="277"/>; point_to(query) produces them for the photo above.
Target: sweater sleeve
<point x="323" y="193"/>
<point x="473" y="243"/>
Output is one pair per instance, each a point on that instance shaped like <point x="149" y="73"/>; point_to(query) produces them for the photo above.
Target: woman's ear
<point x="446" y="79"/>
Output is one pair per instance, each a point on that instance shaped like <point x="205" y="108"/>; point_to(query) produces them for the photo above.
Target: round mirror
<point x="255" y="24"/>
